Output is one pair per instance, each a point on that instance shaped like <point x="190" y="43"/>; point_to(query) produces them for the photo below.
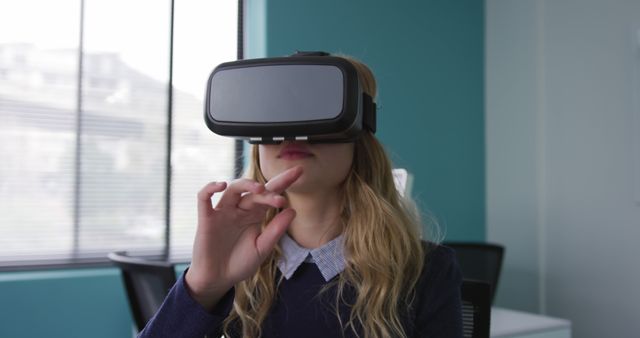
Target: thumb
<point x="273" y="232"/>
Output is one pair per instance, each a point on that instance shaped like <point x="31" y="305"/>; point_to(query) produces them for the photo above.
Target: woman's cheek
<point x="266" y="164"/>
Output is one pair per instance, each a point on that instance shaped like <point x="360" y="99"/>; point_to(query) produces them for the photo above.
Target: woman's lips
<point x="293" y="151"/>
<point x="293" y="155"/>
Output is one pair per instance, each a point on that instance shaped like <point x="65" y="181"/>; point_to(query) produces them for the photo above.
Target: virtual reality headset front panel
<point x="316" y="98"/>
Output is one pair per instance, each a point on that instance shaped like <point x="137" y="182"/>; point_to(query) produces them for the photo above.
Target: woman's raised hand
<point x="230" y="245"/>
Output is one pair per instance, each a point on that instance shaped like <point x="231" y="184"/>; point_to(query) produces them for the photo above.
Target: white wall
<point x="562" y="158"/>
<point x="512" y="111"/>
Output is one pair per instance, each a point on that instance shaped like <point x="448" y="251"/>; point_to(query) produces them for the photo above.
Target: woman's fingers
<point x="204" y="195"/>
<point x="246" y="193"/>
<point x="271" y="195"/>
<point x="283" y="180"/>
<point x="236" y="190"/>
<point x="250" y="201"/>
<point x="273" y="231"/>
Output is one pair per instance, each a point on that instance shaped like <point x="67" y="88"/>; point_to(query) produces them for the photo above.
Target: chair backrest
<point x="476" y="309"/>
<point x="480" y="261"/>
<point x="147" y="283"/>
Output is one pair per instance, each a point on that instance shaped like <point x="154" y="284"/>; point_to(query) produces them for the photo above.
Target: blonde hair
<point x="383" y="251"/>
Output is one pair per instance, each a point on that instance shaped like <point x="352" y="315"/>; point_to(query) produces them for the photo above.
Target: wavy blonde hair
<point x="383" y="251"/>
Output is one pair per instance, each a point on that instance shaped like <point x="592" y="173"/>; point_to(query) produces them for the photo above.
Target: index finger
<point x="205" y="194"/>
<point x="283" y="180"/>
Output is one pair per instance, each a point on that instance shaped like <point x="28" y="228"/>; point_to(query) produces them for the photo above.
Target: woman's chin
<point x="305" y="186"/>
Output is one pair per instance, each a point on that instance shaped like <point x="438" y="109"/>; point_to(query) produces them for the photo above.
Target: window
<point x="88" y="125"/>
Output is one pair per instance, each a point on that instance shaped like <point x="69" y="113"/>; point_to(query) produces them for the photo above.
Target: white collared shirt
<point x="329" y="258"/>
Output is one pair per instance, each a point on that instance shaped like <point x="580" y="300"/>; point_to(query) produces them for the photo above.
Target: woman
<point x="315" y="242"/>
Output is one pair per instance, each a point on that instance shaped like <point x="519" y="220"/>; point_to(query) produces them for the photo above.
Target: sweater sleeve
<point x="182" y="316"/>
<point x="439" y="312"/>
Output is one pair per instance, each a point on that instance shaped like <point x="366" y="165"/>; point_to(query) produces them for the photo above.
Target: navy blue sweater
<point x="300" y="310"/>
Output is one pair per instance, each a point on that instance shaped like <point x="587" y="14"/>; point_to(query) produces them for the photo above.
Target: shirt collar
<point x="329" y="258"/>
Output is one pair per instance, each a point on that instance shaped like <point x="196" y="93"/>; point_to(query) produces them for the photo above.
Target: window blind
<point x="205" y="36"/>
<point x="84" y="125"/>
<point x="38" y="81"/>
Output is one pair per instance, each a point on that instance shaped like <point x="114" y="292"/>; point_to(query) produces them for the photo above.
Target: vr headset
<point x="309" y="96"/>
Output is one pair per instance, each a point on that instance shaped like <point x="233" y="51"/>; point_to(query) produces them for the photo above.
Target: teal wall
<point x="64" y="303"/>
<point x="428" y="58"/>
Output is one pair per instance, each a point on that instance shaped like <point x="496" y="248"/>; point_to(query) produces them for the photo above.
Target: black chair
<point x="476" y="308"/>
<point x="147" y="283"/>
<point x="480" y="261"/>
